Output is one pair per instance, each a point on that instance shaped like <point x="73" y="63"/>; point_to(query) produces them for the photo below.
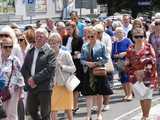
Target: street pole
<point x="31" y="19"/>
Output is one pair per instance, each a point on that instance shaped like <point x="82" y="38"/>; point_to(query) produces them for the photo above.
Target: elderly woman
<point x="7" y="31"/>
<point x="10" y="66"/>
<point x="154" y="39"/>
<point x="119" y="49"/>
<point x="94" y="54"/>
<point x="62" y="99"/>
<point x="141" y="67"/>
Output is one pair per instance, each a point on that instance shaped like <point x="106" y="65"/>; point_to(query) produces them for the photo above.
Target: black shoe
<point x="75" y="110"/>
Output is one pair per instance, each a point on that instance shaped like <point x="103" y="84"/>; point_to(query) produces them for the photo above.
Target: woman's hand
<point x="126" y="62"/>
<point x="139" y="75"/>
<point x="91" y="64"/>
<point x="77" y="55"/>
<point x="120" y="55"/>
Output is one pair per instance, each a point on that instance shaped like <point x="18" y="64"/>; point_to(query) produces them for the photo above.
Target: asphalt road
<point x="119" y="110"/>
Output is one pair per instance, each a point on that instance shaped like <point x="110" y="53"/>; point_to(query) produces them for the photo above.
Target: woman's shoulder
<point x="99" y="43"/>
<point x="64" y="52"/>
<point x="149" y="46"/>
<point x="126" y="39"/>
<point x="15" y="61"/>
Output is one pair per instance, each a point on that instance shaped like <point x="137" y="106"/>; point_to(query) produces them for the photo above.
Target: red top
<point x="144" y="59"/>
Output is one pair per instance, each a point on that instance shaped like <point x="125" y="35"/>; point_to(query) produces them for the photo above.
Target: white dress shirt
<point x="69" y="44"/>
<point x="36" y="51"/>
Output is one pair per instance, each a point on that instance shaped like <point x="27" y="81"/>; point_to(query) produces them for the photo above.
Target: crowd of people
<point x="36" y="62"/>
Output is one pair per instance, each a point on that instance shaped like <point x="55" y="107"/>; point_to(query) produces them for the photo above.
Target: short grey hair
<point x="60" y="24"/>
<point x="42" y="30"/>
<point x="116" y="24"/>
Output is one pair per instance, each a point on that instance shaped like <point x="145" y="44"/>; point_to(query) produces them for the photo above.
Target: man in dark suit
<point x="38" y="71"/>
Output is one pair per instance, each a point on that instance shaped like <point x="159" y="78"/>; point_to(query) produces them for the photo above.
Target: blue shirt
<point x="121" y="46"/>
<point x="109" y="32"/>
<point x="80" y="27"/>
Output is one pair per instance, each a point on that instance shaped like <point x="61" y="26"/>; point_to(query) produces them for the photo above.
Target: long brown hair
<point x="30" y="35"/>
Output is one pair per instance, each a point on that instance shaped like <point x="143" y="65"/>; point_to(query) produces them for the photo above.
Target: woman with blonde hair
<point x="10" y="67"/>
<point x="94" y="54"/>
<point x="62" y="99"/>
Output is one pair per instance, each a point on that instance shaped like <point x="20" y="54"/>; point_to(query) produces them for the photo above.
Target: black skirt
<point x="100" y="86"/>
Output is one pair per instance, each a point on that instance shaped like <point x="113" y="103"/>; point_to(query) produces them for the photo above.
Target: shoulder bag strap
<point x="10" y="74"/>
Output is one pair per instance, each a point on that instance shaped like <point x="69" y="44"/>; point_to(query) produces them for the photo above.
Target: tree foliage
<point x="119" y="5"/>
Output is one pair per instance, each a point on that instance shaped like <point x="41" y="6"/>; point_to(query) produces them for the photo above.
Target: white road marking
<point x="134" y="110"/>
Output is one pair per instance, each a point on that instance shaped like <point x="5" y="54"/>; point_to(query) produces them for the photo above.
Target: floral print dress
<point x="6" y="68"/>
<point x="144" y="59"/>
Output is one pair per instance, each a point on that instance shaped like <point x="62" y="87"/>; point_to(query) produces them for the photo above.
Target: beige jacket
<point x="64" y="67"/>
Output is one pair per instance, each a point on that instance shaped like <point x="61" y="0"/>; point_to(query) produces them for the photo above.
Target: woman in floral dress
<point x="141" y="67"/>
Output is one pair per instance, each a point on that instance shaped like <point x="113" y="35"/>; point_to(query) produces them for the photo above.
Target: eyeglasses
<point x="4" y="35"/>
<point x="20" y="40"/>
<point x="91" y="36"/>
<point x="139" y="36"/>
<point x="7" y="46"/>
<point x="157" y="23"/>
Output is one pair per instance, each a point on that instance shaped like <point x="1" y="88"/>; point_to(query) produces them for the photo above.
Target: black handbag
<point x="5" y="93"/>
<point x="2" y="111"/>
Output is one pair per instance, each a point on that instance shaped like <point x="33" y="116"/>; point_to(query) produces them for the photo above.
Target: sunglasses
<point x="20" y="40"/>
<point x="157" y="23"/>
<point x="90" y="36"/>
<point x="4" y="35"/>
<point x="139" y="36"/>
<point x="6" y="47"/>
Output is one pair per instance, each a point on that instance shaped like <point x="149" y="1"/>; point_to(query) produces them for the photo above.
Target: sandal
<point x="75" y="110"/>
<point x="129" y="98"/>
<point x="99" y="117"/>
<point x="124" y="98"/>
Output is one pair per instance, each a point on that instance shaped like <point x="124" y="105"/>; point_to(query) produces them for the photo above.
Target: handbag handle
<point x="10" y="74"/>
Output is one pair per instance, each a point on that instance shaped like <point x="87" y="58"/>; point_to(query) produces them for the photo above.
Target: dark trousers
<point x="40" y="101"/>
<point x="21" y="110"/>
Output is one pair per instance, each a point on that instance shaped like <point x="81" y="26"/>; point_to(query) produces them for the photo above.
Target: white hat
<point x="157" y="16"/>
<point x="99" y="27"/>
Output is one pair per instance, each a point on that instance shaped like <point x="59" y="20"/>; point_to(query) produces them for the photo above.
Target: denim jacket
<point x="100" y="54"/>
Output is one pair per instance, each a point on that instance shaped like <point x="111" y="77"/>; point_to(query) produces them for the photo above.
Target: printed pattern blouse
<point x="6" y="68"/>
<point x="144" y="59"/>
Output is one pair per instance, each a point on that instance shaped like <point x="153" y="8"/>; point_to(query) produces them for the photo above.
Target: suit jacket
<point x="44" y="71"/>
